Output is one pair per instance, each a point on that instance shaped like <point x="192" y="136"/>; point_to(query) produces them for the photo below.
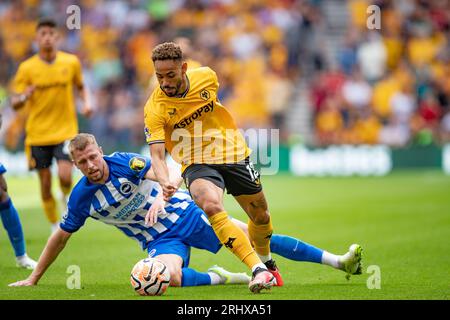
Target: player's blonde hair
<point x="80" y="142"/>
<point x="167" y="51"/>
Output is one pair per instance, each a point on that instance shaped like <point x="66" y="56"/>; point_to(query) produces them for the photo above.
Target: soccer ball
<point x="150" y="277"/>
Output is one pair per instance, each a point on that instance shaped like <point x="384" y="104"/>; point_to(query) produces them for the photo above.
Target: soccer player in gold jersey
<point x="44" y="86"/>
<point x="185" y="117"/>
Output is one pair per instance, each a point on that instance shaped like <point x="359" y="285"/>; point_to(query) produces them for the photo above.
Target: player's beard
<point x="175" y="92"/>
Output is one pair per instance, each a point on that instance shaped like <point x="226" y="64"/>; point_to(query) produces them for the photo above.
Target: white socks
<point x="260" y="265"/>
<point x="331" y="260"/>
<point x="264" y="259"/>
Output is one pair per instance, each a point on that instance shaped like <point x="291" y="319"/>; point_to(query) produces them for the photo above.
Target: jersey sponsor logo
<point x="197" y="114"/>
<point x="51" y="84"/>
<point x="204" y="94"/>
<point x="131" y="207"/>
<point x="137" y="164"/>
<point x="126" y="188"/>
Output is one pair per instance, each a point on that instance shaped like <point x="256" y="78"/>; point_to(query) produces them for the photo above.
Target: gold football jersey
<point x="51" y="112"/>
<point x="196" y="127"/>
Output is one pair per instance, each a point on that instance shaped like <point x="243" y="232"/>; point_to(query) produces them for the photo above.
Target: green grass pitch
<point x="402" y="221"/>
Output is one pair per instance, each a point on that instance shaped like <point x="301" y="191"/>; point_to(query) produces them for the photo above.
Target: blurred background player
<point x="186" y="105"/>
<point x="11" y="223"/>
<point x="44" y="86"/>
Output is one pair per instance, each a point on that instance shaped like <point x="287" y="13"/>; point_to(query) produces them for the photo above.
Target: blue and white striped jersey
<point x="123" y="201"/>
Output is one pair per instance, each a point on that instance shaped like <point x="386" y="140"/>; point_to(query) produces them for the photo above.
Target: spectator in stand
<point x="329" y="122"/>
<point x="430" y="111"/>
<point x="356" y="91"/>
<point x="372" y="57"/>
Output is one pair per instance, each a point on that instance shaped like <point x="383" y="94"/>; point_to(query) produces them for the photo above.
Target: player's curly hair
<point x="167" y="51"/>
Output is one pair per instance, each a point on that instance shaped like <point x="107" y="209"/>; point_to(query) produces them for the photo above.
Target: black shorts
<point x="42" y="156"/>
<point x="238" y="178"/>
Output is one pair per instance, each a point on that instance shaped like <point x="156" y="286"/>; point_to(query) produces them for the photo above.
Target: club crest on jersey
<point x="126" y="188"/>
<point x="204" y="94"/>
<point x="137" y="164"/>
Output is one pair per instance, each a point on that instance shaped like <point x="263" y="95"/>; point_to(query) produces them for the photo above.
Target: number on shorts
<point x="253" y="173"/>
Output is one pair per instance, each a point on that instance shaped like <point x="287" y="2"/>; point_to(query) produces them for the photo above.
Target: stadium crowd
<point x="387" y="86"/>
<point x="392" y="86"/>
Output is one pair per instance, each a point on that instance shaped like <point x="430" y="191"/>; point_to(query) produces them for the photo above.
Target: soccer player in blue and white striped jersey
<point x="120" y="190"/>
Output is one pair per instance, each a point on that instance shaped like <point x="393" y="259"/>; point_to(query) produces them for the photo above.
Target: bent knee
<point x="212" y="207"/>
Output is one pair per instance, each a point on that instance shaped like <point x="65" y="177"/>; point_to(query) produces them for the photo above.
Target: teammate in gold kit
<point x="43" y="86"/>
<point x="185" y="117"/>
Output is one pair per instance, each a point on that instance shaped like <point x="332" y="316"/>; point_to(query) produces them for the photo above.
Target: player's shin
<point x="65" y="189"/>
<point x="65" y="192"/>
<point x="234" y="239"/>
<point x="260" y="237"/>
<point x="295" y="249"/>
<point x="50" y="209"/>
<point x="11" y="222"/>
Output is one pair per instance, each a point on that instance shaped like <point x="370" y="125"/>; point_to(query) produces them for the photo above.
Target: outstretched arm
<point x="158" y="152"/>
<point x="55" y="245"/>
